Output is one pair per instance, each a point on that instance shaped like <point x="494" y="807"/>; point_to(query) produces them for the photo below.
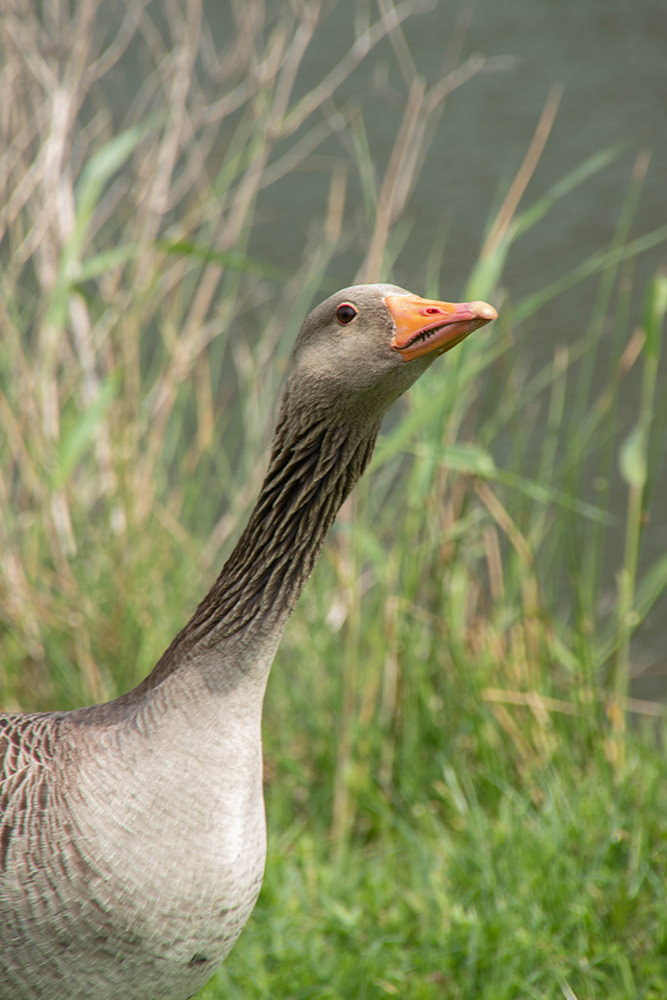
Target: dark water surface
<point x="610" y="56"/>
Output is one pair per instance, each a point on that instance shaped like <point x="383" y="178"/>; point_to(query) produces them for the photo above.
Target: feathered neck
<point x="312" y="470"/>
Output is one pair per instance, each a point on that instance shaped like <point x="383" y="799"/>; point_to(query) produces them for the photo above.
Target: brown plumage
<point x="132" y="834"/>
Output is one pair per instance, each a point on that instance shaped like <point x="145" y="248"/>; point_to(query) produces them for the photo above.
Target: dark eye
<point x="345" y="313"/>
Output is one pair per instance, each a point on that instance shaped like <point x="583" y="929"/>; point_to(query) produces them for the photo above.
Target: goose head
<point x="360" y="349"/>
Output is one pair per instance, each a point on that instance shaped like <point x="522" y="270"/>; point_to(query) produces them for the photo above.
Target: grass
<point x="457" y="803"/>
<point x="462" y="898"/>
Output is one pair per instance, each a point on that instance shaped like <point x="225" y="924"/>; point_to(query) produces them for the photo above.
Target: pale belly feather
<point x="163" y="855"/>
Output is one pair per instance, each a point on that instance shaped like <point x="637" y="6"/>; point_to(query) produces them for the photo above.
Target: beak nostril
<point x="431" y="311"/>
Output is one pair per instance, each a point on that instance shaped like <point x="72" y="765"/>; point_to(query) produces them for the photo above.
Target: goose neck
<point x="237" y="627"/>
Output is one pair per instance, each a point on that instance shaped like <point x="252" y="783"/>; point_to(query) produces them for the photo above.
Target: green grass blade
<point x="79" y="437"/>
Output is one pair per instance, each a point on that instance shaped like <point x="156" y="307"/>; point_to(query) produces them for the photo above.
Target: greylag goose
<point x="132" y="834"/>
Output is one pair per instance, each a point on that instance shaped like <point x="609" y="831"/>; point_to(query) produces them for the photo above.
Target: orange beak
<point x="424" y="326"/>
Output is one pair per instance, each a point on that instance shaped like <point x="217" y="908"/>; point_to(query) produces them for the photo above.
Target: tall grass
<point x="456" y="805"/>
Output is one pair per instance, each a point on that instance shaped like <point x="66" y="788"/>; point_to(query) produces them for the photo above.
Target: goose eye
<point x="345" y="313"/>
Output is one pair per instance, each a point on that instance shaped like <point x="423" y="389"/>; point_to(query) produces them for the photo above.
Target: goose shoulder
<point x="28" y="747"/>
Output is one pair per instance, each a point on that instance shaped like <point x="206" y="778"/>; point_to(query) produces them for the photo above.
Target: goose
<point x="132" y="833"/>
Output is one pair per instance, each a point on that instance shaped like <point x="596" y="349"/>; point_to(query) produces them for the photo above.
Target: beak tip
<point x="484" y="311"/>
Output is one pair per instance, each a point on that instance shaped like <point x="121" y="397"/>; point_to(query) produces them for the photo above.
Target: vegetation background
<point x="463" y="798"/>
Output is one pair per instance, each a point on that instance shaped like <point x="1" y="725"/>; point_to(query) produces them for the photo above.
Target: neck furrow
<point x="308" y="479"/>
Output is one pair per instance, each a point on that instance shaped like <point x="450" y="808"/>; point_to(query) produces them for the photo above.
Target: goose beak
<point x="424" y="326"/>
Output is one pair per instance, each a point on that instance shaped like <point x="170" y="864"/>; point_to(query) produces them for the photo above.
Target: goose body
<point x="132" y="834"/>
